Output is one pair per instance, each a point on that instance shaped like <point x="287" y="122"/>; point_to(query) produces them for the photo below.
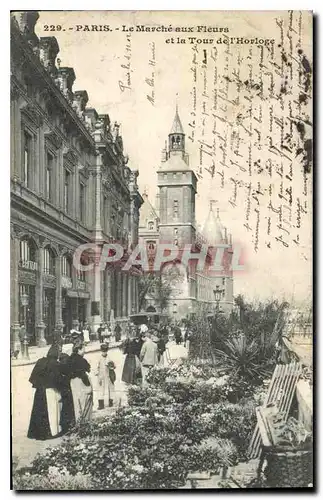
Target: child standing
<point x="106" y="377"/>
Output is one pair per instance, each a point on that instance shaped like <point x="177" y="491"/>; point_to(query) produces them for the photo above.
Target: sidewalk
<point x="35" y="353"/>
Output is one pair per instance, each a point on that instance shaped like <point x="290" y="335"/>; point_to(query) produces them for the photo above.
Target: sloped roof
<point x="177" y="127"/>
<point x="175" y="162"/>
<point x="213" y="229"/>
<point x="147" y="212"/>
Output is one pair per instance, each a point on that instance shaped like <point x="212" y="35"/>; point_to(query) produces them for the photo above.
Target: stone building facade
<point x="70" y="185"/>
<point x="175" y="224"/>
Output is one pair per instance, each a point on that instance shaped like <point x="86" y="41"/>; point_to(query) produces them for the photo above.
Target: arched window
<point x="66" y="266"/>
<point x="150" y="225"/>
<point x="49" y="261"/>
<point x="28" y="254"/>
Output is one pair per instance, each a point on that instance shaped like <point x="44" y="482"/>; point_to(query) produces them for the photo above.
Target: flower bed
<point x="182" y="422"/>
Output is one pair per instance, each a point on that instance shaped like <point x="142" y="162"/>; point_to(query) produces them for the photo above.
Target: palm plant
<point x="243" y="358"/>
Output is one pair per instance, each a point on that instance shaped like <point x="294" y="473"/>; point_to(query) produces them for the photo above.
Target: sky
<point x="106" y="63"/>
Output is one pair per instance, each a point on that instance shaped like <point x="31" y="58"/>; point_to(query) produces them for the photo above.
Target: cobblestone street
<point x="22" y="399"/>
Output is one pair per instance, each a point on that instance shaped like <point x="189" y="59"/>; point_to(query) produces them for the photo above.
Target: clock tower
<point x="177" y="185"/>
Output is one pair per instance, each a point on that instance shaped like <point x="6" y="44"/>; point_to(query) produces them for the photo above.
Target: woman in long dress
<point x="67" y="414"/>
<point x="132" y="373"/>
<point x="81" y="387"/>
<point x="46" y="378"/>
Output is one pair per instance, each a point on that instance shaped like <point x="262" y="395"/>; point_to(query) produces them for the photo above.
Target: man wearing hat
<point x="106" y="377"/>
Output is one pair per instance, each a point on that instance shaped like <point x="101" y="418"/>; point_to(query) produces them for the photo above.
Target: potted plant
<point x="290" y="456"/>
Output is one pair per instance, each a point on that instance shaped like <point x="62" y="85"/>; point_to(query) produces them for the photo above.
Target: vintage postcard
<point x="161" y="249"/>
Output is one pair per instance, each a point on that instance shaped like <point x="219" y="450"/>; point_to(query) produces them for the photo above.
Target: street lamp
<point x="217" y="296"/>
<point x="24" y="302"/>
<point x="174" y="309"/>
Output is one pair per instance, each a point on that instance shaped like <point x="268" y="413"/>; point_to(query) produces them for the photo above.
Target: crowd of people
<point x="63" y="388"/>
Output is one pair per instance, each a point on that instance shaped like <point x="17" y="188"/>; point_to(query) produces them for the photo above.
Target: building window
<point x="223" y="281"/>
<point x="27" y="153"/>
<point x="150" y="226"/>
<point x="28" y="255"/>
<point x="67" y="183"/>
<point x="49" y="177"/>
<point x="175" y="231"/>
<point x="81" y="275"/>
<point x="49" y="262"/>
<point x="82" y="202"/>
<point x="175" y="208"/>
<point x="66" y="267"/>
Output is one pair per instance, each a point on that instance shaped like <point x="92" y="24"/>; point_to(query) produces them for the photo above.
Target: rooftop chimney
<point x="66" y="77"/>
<point x="80" y="100"/>
<point x="48" y="51"/>
<point x="26" y="22"/>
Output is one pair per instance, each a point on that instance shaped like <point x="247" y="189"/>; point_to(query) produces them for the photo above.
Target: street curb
<point x="28" y="363"/>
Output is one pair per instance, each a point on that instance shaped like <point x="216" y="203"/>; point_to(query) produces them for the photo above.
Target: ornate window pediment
<point x="32" y="115"/>
<point x="70" y="156"/>
<point x="54" y="139"/>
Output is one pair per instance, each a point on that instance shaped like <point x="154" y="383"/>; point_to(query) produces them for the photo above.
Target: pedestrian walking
<point x="187" y="337"/>
<point x="132" y="372"/>
<point x="86" y="334"/>
<point x="161" y="344"/>
<point x="46" y="379"/>
<point x="148" y="355"/>
<point x="100" y="332"/>
<point x="81" y="387"/>
<point x="117" y="332"/>
<point x="107" y="334"/>
<point x="178" y="335"/>
<point x="106" y="377"/>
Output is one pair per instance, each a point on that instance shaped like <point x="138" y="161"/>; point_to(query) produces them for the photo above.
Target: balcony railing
<point x="29" y="264"/>
<point x="66" y="282"/>
<point x="81" y="285"/>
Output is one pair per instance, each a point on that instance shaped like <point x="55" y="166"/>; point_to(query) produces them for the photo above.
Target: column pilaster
<point x="40" y="325"/>
<point x="124" y="293"/>
<point x="58" y="298"/>
<point x="14" y="282"/>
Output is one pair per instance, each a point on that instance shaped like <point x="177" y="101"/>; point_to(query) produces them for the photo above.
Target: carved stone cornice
<point x="32" y="114"/>
<point x="27" y="277"/>
<point x="15" y="90"/>
<point x="49" y="280"/>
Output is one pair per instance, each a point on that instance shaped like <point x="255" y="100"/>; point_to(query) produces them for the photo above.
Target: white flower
<point x="137" y="468"/>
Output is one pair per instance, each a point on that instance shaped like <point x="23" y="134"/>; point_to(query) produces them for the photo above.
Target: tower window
<point x="178" y="139"/>
<point x="151" y="246"/>
<point x="175" y="208"/>
<point x="175" y="231"/>
<point x="150" y="226"/>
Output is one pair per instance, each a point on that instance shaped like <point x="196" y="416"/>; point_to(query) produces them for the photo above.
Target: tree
<point x="160" y="286"/>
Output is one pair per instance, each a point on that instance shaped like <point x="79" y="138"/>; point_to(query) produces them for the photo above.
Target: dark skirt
<point x="131" y="373"/>
<point x="67" y="416"/>
<point x="39" y="426"/>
